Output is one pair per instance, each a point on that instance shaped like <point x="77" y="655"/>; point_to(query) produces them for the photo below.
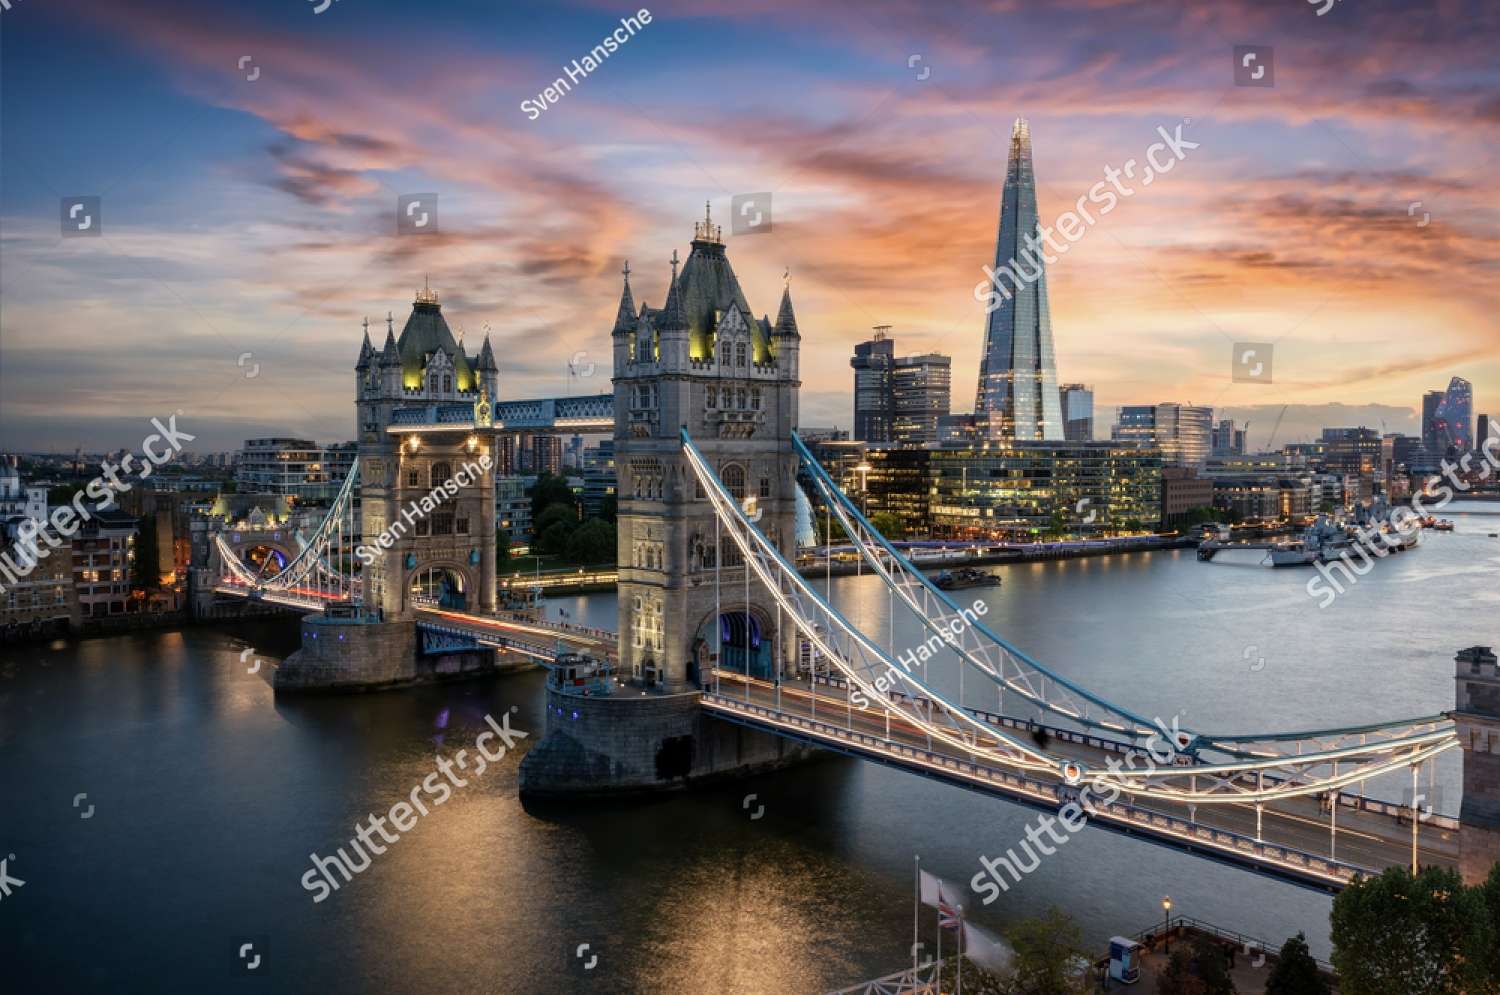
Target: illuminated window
<point x="734" y="481"/>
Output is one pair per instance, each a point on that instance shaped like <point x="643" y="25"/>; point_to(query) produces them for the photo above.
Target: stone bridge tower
<point x="1477" y="718"/>
<point x="702" y="361"/>
<point x="424" y="412"/>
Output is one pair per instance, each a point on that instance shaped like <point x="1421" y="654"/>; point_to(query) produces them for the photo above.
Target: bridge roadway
<point x="1295" y="841"/>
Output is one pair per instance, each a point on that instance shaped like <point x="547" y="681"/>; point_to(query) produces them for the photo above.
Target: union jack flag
<point x="949" y="917"/>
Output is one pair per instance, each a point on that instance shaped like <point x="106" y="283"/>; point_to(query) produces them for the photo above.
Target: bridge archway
<point x="747" y="639"/>
<point x="255" y="548"/>
<point x="447" y="585"/>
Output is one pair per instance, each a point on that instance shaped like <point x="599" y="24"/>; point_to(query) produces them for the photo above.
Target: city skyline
<point x="256" y="216"/>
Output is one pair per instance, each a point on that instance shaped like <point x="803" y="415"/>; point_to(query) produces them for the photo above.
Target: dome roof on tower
<point x="425" y="333"/>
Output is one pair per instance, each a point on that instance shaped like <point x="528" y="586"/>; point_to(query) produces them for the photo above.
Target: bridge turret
<point x="488" y="370"/>
<point x="788" y="340"/>
<point x="1477" y="718"/>
<point x="622" y="336"/>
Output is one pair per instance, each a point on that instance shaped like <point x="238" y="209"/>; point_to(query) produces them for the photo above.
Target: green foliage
<point x="502" y="549"/>
<point x="609" y="508"/>
<point x="553" y="540"/>
<point x="1296" y="973"/>
<point x="560" y="513"/>
<point x="1423" y="935"/>
<point x="1046" y="951"/>
<point x="1177" y="977"/>
<point x="888" y="524"/>
<point x="593" y="542"/>
<point x="548" y="490"/>
<point x="1211" y="964"/>
<point x="1489" y="892"/>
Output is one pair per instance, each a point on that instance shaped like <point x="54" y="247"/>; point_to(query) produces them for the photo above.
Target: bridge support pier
<point x="1478" y="722"/>
<point x="628" y="743"/>
<point x="351" y="651"/>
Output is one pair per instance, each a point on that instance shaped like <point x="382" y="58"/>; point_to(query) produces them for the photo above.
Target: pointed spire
<point x="671" y="317"/>
<point x="486" y="361"/>
<point x="366" y="352"/>
<point x="786" y="321"/>
<point x="390" y="356"/>
<point x="625" y="316"/>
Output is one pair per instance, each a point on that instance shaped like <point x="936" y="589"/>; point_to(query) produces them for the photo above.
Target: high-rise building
<point x="1453" y="421"/>
<point x="1183" y="432"/>
<point x="1430" y="402"/>
<point x="1227" y="439"/>
<point x="1078" y="412"/>
<point x="1484" y="430"/>
<point x="598" y="476"/>
<point x="919" y="388"/>
<point x="1017" y="396"/>
<point x="874" y="399"/>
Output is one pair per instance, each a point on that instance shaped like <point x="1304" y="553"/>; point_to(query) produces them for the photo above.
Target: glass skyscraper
<point x="1017" y="397"/>
<point x="1453" y="422"/>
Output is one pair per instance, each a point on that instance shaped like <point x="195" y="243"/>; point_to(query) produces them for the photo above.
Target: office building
<point x="874" y="397"/>
<point x="1182" y="490"/>
<point x="1227" y="439"/>
<point x="898" y="482"/>
<point x="1017" y="396"/>
<point x="1484" y="429"/>
<point x="1430" y="402"/>
<point x="598" y="477"/>
<point x="1353" y="452"/>
<point x="920" y="391"/>
<point x="103" y="553"/>
<point x="1027" y="490"/>
<point x="1183" y="432"/>
<point x="1078" y="412"/>
<point x="513" y="507"/>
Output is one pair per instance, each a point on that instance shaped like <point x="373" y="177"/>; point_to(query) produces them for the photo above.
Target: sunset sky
<point x="258" y="215"/>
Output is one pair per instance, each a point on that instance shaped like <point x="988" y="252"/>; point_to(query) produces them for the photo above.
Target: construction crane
<point x="1277" y="427"/>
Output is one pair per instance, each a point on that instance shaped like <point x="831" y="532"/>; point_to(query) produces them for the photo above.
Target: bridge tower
<point x="424" y="412"/>
<point x="1477" y="718"/>
<point x="704" y="362"/>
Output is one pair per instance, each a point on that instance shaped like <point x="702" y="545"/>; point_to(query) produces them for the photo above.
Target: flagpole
<point x="940" y="942"/>
<point x="960" y="950"/>
<point x="916" y="908"/>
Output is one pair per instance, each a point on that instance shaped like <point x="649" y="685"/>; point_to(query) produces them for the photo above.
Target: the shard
<point x="1018" y="397"/>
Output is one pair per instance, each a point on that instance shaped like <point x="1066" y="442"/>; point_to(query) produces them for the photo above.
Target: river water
<point x="162" y="807"/>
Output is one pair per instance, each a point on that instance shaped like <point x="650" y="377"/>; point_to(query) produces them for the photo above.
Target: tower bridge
<point x="727" y="660"/>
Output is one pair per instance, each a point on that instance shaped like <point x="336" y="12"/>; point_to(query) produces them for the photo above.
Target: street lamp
<point x="1166" y="923"/>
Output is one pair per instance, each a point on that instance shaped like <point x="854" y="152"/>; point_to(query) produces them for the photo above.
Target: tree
<point x="564" y="514"/>
<point x="592" y="542"/>
<point x="1211" y="964"/>
<point x="1177" y="977"/>
<point x="548" y="490"/>
<point x="888" y="524"/>
<point x="1047" y="951"/>
<point x="976" y="979"/>
<point x="1489" y="892"/>
<point x="1296" y="973"/>
<point x="609" y="508"/>
<point x="1422" y="935"/>
<point x="553" y="540"/>
<point x="502" y="548"/>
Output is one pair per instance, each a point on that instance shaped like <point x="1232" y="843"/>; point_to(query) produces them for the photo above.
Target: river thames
<point x="161" y="806"/>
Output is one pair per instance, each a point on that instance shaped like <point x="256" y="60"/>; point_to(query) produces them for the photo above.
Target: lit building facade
<point x="297" y="468"/>
<point x="1078" y="412"/>
<point x="874" y="397"/>
<point x="920" y="397"/>
<point x="1183" y="432"/>
<point x="898" y="482"/>
<point x="1023" y="491"/>
<point x="1453" y="421"/>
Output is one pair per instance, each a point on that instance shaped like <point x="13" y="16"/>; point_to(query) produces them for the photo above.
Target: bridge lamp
<point x="413" y="441"/>
<point x="1166" y="922"/>
<point x="473" y="442"/>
